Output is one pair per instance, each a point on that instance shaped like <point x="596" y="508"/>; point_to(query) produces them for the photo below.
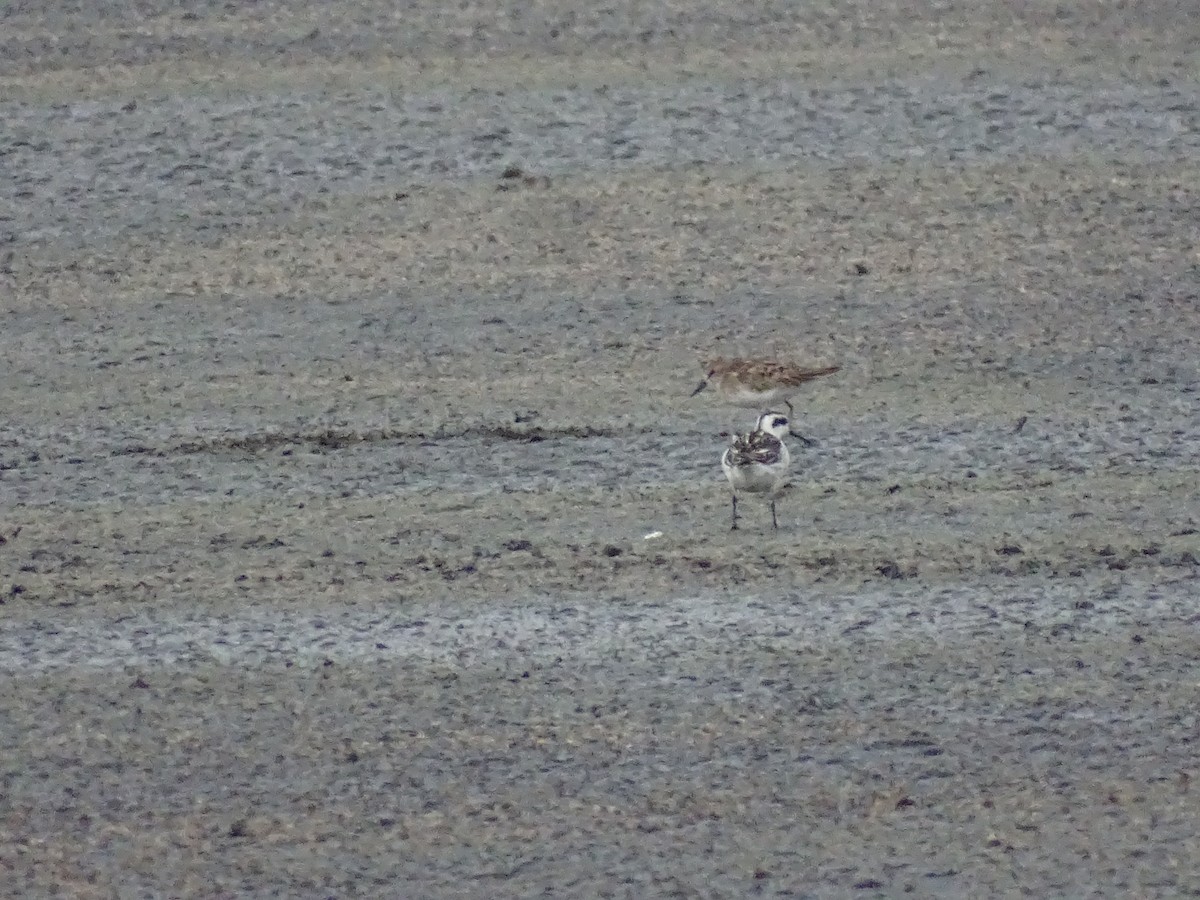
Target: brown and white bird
<point x="758" y="383"/>
<point x="757" y="461"/>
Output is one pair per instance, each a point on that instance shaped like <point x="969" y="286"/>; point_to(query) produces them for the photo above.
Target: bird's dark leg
<point x="774" y="521"/>
<point x="734" y="526"/>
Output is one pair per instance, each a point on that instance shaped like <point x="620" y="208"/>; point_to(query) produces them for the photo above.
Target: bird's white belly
<point x="743" y="396"/>
<point x="754" y="478"/>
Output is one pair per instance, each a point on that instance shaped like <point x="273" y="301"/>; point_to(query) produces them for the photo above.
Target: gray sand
<point x="358" y="537"/>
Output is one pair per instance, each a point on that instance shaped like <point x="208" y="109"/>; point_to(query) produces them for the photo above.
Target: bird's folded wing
<point x="756" y="447"/>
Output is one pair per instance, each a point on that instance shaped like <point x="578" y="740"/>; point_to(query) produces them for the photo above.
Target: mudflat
<point x="359" y="536"/>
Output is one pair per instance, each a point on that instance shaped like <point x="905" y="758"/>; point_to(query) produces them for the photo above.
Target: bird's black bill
<point x="701" y="386"/>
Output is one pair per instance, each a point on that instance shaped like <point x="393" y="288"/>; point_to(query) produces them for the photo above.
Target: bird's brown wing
<point x="764" y="374"/>
<point x="793" y="375"/>
<point x="756" y="447"/>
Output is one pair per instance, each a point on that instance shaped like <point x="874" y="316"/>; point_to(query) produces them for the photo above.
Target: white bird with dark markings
<point x="757" y="461"/>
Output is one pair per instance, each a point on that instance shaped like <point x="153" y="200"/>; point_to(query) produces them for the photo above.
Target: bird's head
<point x="773" y="423"/>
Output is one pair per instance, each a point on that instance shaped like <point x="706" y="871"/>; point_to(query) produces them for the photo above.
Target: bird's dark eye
<point x="778" y="422"/>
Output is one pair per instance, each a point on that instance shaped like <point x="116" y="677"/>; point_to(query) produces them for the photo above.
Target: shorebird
<point x="757" y="383"/>
<point x="757" y="461"/>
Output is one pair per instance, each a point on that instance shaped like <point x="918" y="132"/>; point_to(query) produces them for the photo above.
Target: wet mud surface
<point x="359" y="537"/>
